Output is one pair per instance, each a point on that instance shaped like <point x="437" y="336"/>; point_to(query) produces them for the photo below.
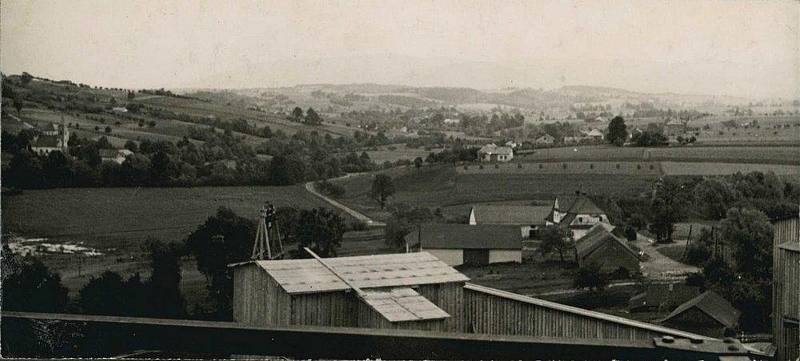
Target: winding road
<point x="357" y="215"/>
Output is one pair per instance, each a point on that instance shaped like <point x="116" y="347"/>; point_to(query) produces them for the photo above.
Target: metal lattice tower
<point x="268" y="244"/>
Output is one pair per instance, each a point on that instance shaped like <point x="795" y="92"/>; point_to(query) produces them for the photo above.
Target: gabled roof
<point x="505" y="214"/>
<point x="663" y="295"/>
<point x="299" y="276"/>
<point x="493" y="149"/>
<point x="465" y="236"/>
<point x="583" y="205"/>
<point x="596" y="237"/>
<point x="595" y="133"/>
<point x="712" y="305"/>
<point x="47" y="141"/>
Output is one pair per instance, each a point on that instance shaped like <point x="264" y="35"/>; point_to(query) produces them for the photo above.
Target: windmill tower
<point x="268" y="244"/>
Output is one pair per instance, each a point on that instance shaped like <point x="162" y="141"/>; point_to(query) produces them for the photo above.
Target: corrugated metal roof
<point x="465" y="236"/>
<point x="506" y="214"/>
<point x="402" y="304"/>
<point x="390" y="270"/>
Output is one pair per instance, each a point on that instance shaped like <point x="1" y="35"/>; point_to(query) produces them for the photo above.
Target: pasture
<point x="443" y="186"/>
<point x="123" y="217"/>
<point x="726" y="154"/>
<point x="395" y="152"/>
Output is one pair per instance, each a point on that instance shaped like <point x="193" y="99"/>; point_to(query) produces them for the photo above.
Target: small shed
<point x="707" y="314"/>
<point x="528" y="218"/>
<point x="458" y="244"/>
<point x="662" y="296"/>
<point x="602" y="247"/>
<point x="409" y="291"/>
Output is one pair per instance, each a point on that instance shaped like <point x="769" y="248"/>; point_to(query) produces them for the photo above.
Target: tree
<point x="617" y="131"/>
<point x="321" y="230"/>
<point x="590" y="277"/>
<point x="18" y="104"/>
<point x="418" y="162"/>
<point x="104" y="295"/>
<point x="28" y="285"/>
<point x="223" y="239"/>
<point x="132" y="146"/>
<point x="715" y="196"/>
<point x="554" y="238"/>
<point x="750" y="234"/>
<point x="667" y="204"/>
<point x="297" y="114"/>
<point x="382" y="188"/>
<point x="312" y="118"/>
<point x="164" y="283"/>
<point x="108" y="129"/>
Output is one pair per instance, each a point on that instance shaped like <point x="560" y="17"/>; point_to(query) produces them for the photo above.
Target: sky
<point x="733" y="47"/>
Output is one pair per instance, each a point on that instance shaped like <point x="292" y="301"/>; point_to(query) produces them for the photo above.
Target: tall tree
<point x="28" y="285"/>
<point x="164" y="283"/>
<point x="749" y="232"/>
<point x="555" y="238"/>
<point x="297" y="114"/>
<point x="667" y="204"/>
<point x="321" y="230"/>
<point x="312" y="118"/>
<point x="617" y="131"/>
<point x="382" y="189"/>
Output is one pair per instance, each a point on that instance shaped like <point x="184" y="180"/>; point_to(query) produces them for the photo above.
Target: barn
<point x="411" y="291"/>
<point x="527" y="218"/>
<point x="786" y="283"/>
<point x="602" y="247"/>
<point x="458" y="244"/>
<point x="577" y="214"/>
<point x="707" y="314"/>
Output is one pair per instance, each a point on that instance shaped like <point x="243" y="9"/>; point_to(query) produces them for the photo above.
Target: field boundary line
<point x="355" y="214"/>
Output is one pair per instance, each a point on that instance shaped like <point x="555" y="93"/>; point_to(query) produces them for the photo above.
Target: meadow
<point x="123" y="217"/>
<point x="727" y="154"/>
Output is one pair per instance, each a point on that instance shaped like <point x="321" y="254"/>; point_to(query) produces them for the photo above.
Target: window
<point x="580" y="219"/>
<point x="617" y="166"/>
<point x="591" y="166"/>
<point x="540" y="166"/>
<point x="564" y="165"/>
<point x="638" y="166"/>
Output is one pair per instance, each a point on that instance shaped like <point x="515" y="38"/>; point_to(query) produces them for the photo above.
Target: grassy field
<point x="443" y="186"/>
<point x="729" y="154"/>
<point x="121" y="217"/>
<point x="395" y="152"/>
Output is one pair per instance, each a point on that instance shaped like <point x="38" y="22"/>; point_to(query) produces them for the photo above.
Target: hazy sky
<point x="749" y="48"/>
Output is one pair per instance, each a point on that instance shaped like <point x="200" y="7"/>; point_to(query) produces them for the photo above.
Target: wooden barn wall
<point x="784" y="231"/>
<point x="448" y="296"/>
<point x="611" y="256"/>
<point x="489" y="314"/>
<point x="696" y="321"/>
<point x="257" y="298"/>
<point x="789" y="285"/>
<point x="335" y="309"/>
<point x="788" y="347"/>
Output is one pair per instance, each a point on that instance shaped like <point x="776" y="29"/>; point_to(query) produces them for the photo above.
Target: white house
<point x="546" y="139"/>
<point x="54" y="138"/>
<point x="115" y="155"/>
<point x="457" y="244"/>
<point x="493" y="153"/>
<point x="578" y="216"/>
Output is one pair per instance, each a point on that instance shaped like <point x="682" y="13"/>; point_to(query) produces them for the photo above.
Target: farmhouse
<point x="599" y="246"/>
<point x="528" y="218"/>
<point x="662" y="296"/>
<point x="411" y="291"/>
<point x="53" y="138"/>
<point x="578" y="214"/>
<point x="457" y="244"/>
<point x="707" y="314"/>
<point x="595" y="134"/>
<point x="493" y="153"/>
<point x="546" y="139"/>
<point x="786" y="282"/>
<point x="115" y="155"/>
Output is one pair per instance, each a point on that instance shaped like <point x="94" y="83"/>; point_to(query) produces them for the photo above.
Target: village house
<point x="114" y="155"/>
<point x="528" y="218"/>
<point x="52" y="138"/>
<point x="576" y="214"/>
<point x="675" y="126"/>
<point x="595" y="134"/>
<point x="546" y="139"/>
<point x="786" y="283"/>
<point x="600" y="246"/>
<point x="413" y="291"/>
<point x="707" y="314"/>
<point x="457" y="244"/>
<point x="662" y="297"/>
<point x="493" y="153"/>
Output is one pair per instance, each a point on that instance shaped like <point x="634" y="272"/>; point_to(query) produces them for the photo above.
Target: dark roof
<point x="598" y="236"/>
<point x="663" y="295"/>
<point x="505" y="214"/>
<point x="465" y="236"/>
<point x="712" y="305"/>
<point x="583" y="205"/>
<point x="50" y="141"/>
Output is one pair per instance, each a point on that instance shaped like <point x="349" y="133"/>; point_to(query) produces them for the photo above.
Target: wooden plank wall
<point x="258" y="299"/>
<point x="788" y="348"/>
<point x="489" y="314"/>
<point x="335" y="309"/>
<point x="787" y="230"/>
